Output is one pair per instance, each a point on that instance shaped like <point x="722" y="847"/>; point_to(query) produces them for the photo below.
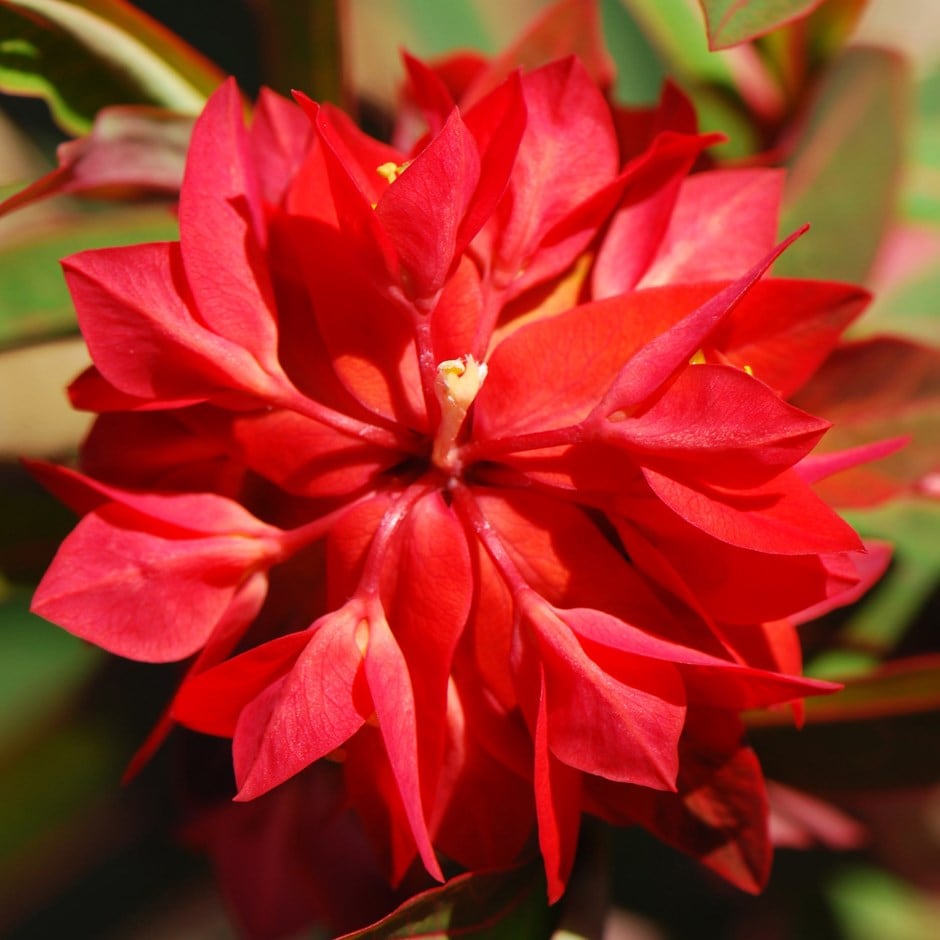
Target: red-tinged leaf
<point x="799" y="820"/>
<point x="852" y="143"/>
<point x="770" y="518"/>
<point x="392" y="692"/>
<point x="221" y="216"/>
<point x="625" y="728"/>
<point x="212" y="701"/>
<point x="566" y="28"/>
<point x="717" y="424"/>
<point x="731" y="22"/>
<point x="902" y="687"/>
<point x="723" y="223"/>
<point x="659" y="360"/>
<point x="130" y="299"/>
<point x="131" y="151"/>
<point x="568" y="154"/>
<point x="718" y="815"/>
<point x="557" y="805"/>
<point x="500" y="905"/>
<point x="875" y="390"/>
<point x="309" y="712"/>
<point x="147" y="596"/>
<point x="82" y="57"/>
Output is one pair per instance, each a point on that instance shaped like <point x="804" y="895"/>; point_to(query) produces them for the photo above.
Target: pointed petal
<point x="393" y="695"/>
<point x="718" y="425"/>
<point x="658" y="361"/>
<point x="134" y="299"/>
<point x="774" y="517"/>
<point x="221" y="217"/>
<point x="311" y="711"/>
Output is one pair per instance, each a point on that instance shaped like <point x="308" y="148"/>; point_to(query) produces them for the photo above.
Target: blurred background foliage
<point x="844" y="93"/>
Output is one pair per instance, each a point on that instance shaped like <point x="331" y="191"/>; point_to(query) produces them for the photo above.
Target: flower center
<point x="456" y="385"/>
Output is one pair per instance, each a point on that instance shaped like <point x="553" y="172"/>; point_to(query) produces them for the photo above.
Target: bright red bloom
<point x="516" y="397"/>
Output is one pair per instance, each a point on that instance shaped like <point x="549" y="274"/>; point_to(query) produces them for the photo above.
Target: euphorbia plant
<point x="465" y="465"/>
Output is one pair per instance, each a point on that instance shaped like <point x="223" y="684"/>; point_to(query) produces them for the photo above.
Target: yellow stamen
<point x="391" y="171"/>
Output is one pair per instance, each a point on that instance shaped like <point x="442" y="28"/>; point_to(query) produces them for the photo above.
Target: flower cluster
<point x="465" y="464"/>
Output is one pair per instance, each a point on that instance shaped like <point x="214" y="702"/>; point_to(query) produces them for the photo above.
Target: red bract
<point x="501" y="419"/>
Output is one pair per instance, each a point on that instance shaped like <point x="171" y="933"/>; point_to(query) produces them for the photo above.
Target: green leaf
<point x="85" y="54"/>
<point x="41" y="666"/>
<point x="35" y="301"/>
<point x="873" y="905"/>
<point x="845" y="169"/>
<point x="731" y="22"/>
<point x="507" y="905"/>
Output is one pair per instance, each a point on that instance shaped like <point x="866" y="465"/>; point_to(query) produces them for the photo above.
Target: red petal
<point x="718" y="425"/>
<point x="134" y="300"/>
<point x="311" y="711"/>
<point x="782" y="516"/>
<point x="723" y="223"/>
<point x="221" y="217"/>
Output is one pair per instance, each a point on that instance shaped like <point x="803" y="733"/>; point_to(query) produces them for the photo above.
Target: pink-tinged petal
<point x="392" y="692"/>
<point x="557" y="807"/>
<point x="221" y="217"/>
<point x="719" y="425"/>
<point x="423" y="210"/>
<point x="723" y="223"/>
<point x="783" y="330"/>
<point x="348" y="545"/>
<point x="311" y="711"/>
<point x="658" y="361"/>
<point x="279" y="137"/>
<point x="150" y="596"/>
<point x="146" y="339"/>
<point x="241" y="612"/>
<point x="816" y="467"/>
<point x="212" y="700"/>
<point x="624" y="728"/>
<point x="566" y="28"/>
<point x="781" y="517"/>
<point x="567" y="154"/>
<point x="651" y="187"/>
<point x="637" y="128"/>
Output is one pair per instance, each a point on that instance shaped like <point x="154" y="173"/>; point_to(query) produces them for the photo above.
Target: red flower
<point x="516" y="397"/>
